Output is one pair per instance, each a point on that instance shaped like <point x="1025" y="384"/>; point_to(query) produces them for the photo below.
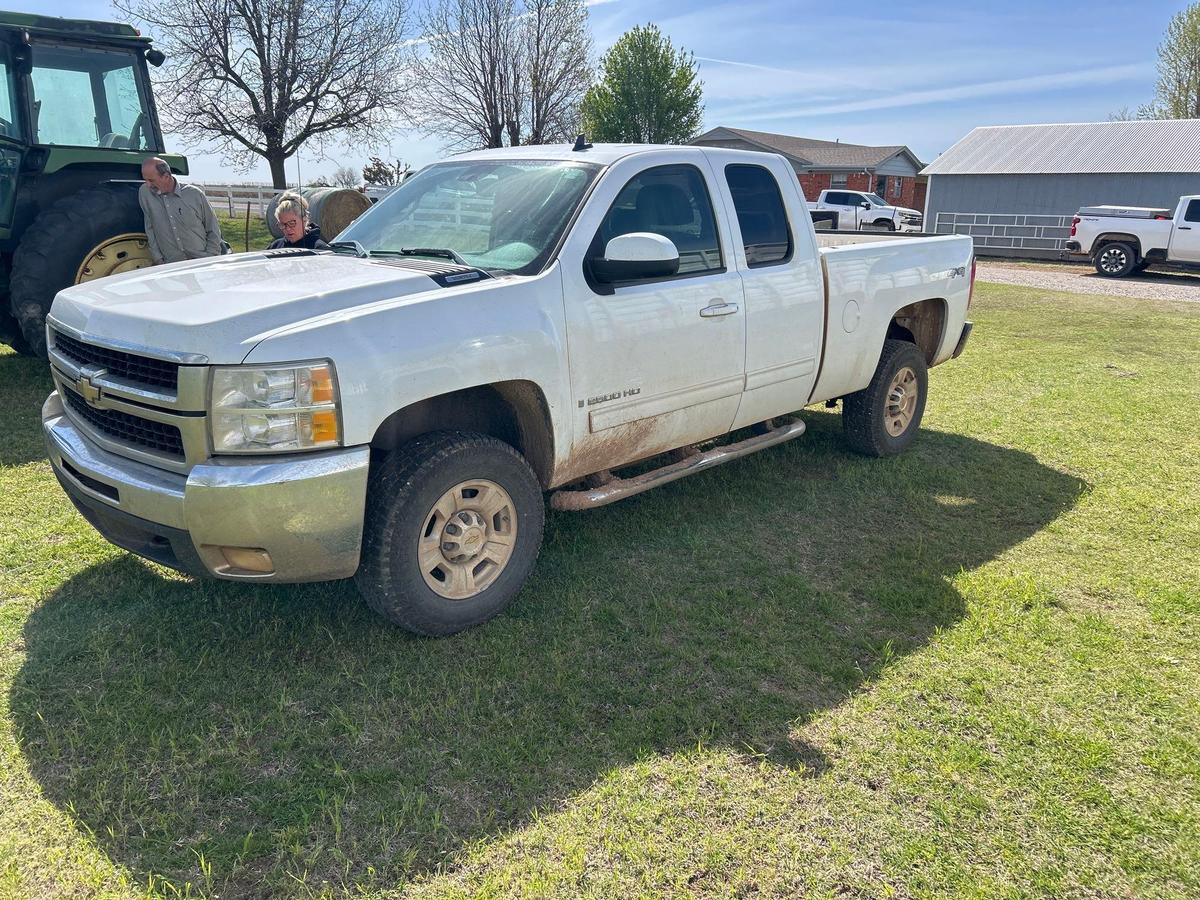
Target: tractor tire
<point x="11" y="334"/>
<point x="101" y="226"/>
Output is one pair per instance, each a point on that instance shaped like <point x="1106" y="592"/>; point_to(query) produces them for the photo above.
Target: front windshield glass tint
<point x="876" y="200"/>
<point x="83" y="97"/>
<point x="495" y="214"/>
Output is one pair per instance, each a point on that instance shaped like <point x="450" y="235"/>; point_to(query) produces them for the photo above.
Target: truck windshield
<point x="505" y="215"/>
<point x="86" y="97"/>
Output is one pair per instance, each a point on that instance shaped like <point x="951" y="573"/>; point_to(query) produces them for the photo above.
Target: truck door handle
<point x="1185" y="228"/>
<point x="720" y="308"/>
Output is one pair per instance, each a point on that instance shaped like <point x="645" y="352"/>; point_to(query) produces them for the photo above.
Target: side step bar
<point x="620" y="488"/>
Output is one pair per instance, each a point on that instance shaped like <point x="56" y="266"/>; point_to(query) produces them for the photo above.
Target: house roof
<point x="810" y="152"/>
<point x="1160" y="145"/>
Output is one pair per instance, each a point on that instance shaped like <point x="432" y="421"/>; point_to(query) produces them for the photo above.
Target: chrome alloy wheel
<point x="468" y="539"/>
<point x="122" y="253"/>
<point x="901" y="402"/>
<point x="1113" y="259"/>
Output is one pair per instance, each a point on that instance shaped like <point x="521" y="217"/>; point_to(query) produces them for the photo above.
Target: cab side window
<point x="1193" y="211"/>
<point x="761" y="215"/>
<point x="671" y="201"/>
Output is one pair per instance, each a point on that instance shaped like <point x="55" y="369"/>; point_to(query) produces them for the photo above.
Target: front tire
<point x="452" y="531"/>
<point x="1115" y="260"/>
<point x="882" y="419"/>
<point x="96" y="232"/>
<point x="885" y="224"/>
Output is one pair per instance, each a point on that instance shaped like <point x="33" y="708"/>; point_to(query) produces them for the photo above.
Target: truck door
<point x="656" y="363"/>
<point x="781" y="277"/>
<point x="1185" y="239"/>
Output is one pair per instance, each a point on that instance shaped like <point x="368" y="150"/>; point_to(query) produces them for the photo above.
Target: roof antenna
<point x="581" y="144"/>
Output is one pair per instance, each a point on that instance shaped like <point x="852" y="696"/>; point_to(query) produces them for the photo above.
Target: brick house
<point x="890" y="172"/>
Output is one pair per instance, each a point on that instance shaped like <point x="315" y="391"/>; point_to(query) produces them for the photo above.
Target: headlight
<point x="274" y="410"/>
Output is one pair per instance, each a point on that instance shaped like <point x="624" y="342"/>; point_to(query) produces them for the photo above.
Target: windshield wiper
<point x="359" y="250"/>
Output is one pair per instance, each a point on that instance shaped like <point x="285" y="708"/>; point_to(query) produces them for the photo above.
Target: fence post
<point x="247" y="226"/>
<point x="229" y="196"/>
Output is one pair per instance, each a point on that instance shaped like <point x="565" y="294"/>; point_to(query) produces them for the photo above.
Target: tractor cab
<point x="77" y="119"/>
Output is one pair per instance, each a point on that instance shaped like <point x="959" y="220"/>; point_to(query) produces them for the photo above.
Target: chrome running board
<point x="620" y="488"/>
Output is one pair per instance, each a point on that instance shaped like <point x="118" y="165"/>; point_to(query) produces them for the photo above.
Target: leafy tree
<point x="1177" y="93"/>
<point x="262" y="78"/>
<point x="648" y="92"/>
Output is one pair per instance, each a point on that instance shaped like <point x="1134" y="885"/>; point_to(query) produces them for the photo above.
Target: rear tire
<point x="53" y="249"/>
<point x="452" y="531"/>
<point x="1115" y="260"/>
<point x="882" y="419"/>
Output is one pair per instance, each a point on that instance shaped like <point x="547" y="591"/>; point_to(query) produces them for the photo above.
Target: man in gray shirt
<point x="179" y="220"/>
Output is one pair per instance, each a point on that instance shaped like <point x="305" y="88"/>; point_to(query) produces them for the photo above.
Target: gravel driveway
<point x="1150" y="285"/>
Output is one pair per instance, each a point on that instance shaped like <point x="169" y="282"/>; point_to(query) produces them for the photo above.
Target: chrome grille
<point x="158" y="437"/>
<point x="143" y="369"/>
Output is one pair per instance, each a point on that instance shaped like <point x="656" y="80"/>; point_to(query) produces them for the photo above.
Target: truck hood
<point x="220" y="308"/>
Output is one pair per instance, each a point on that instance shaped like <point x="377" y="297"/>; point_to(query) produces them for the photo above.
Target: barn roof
<point x="1152" y="145"/>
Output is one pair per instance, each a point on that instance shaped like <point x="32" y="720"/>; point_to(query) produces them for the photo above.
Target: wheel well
<point x="512" y="411"/>
<point x="1115" y="237"/>
<point x="922" y="323"/>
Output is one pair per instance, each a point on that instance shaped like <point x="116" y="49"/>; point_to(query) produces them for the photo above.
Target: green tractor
<point x="77" y="119"/>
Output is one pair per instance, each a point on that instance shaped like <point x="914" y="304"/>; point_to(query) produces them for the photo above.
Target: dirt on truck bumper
<point x="286" y="519"/>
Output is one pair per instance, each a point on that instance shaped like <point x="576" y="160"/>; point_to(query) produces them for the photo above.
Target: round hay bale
<point x="330" y="208"/>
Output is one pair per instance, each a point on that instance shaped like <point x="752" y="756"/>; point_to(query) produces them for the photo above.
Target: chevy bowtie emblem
<point x="88" y="391"/>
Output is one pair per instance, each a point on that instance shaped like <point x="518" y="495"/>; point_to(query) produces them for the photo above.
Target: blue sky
<point x="870" y="72"/>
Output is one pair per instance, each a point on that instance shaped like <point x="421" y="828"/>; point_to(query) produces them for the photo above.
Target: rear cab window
<point x="762" y="217"/>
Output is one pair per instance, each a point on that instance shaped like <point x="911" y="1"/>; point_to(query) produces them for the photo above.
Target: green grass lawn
<point x="969" y="671"/>
<point x="240" y="237"/>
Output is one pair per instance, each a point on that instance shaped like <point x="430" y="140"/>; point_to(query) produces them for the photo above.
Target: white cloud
<point x="1008" y="86"/>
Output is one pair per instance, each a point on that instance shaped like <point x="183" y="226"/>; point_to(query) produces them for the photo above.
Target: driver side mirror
<point x="629" y="257"/>
<point x="866" y="204"/>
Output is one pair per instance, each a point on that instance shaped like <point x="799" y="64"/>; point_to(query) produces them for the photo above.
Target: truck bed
<point x="868" y="277"/>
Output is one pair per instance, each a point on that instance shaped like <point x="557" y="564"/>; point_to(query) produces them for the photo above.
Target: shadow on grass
<point x="285" y="732"/>
<point x="24" y="385"/>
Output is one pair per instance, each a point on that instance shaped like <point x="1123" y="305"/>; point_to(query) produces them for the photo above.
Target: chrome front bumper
<point x="305" y="510"/>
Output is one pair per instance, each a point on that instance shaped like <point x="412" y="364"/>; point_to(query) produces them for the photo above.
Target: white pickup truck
<point x="859" y="209"/>
<point x="506" y="323"/>
<point x="1124" y="239"/>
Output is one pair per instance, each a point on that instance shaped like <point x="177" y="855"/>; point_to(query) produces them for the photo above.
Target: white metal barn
<point x="1014" y="188"/>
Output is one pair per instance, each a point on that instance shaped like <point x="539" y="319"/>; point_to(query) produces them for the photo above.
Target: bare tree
<point x="262" y="78"/>
<point x="503" y="71"/>
<point x="556" y="50"/>
<point x="381" y="172"/>
<point x="344" y="176"/>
